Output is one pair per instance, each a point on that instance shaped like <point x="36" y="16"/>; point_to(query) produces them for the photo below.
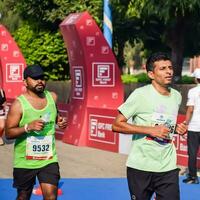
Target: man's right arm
<point x="12" y="129"/>
<point x="190" y="105"/>
<point x="189" y="113"/>
<point x="120" y="125"/>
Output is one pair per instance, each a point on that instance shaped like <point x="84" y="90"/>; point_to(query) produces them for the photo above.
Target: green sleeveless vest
<point x="36" y="149"/>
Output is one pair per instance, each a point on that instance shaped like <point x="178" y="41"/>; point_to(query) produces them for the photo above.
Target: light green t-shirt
<point x="36" y="149"/>
<point x="147" y="107"/>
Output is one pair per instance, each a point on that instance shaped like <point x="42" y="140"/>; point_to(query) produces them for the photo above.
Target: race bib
<point x="168" y="120"/>
<point x="39" y="148"/>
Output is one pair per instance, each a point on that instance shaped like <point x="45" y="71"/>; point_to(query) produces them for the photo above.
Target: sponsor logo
<point x="14" y="72"/>
<point x="103" y="74"/>
<point x="100" y="129"/>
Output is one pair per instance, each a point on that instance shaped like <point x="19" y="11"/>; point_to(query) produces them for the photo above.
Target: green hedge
<point x="143" y="78"/>
<point x="187" y="80"/>
<point x="138" y="78"/>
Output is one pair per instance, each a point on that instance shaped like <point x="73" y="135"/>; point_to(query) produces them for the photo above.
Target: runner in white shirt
<point x="193" y="121"/>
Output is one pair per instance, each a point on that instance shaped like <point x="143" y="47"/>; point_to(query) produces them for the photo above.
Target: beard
<point x="37" y="89"/>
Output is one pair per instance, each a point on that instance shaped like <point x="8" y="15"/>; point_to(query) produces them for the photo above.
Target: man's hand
<point x="36" y="125"/>
<point x="181" y="128"/>
<point x="62" y="122"/>
<point x="160" y="131"/>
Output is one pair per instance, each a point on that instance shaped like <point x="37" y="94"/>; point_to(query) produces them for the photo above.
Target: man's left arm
<point x="60" y="120"/>
<point x="181" y="128"/>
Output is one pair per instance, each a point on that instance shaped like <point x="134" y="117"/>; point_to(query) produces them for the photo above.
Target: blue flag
<point x="107" y="25"/>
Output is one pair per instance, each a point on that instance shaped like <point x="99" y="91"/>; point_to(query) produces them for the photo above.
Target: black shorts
<point x="142" y="184"/>
<point x="24" y="179"/>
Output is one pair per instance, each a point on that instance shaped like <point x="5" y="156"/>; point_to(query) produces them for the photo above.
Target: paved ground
<point x="75" y="162"/>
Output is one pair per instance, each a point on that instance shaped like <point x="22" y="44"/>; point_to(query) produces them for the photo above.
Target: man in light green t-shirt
<point x="31" y="121"/>
<point x="151" y="164"/>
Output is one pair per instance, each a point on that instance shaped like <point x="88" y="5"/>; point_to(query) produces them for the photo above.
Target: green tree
<point x="125" y="28"/>
<point x="49" y="13"/>
<point x="168" y="24"/>
<point x="39" y="36"/>
<point x="44" y="48"/>
<point x="8" y="17"/>
<point x="133" y="55"/>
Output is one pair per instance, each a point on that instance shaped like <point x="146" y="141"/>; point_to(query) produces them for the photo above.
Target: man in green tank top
<point x="151" y="164"/>
<point x="31" y="121"/>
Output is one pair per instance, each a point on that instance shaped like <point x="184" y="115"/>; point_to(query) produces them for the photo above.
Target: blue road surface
<point x="95" y="188"/>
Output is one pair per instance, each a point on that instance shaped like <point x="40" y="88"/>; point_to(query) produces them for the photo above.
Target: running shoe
<point x="191" y="180"/>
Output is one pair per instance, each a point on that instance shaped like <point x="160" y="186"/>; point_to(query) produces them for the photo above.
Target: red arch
<point x="12" y="64"/>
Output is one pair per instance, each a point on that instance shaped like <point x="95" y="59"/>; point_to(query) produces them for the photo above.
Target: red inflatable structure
<point x="12" y="64"/>
<point x="96" y="85"/>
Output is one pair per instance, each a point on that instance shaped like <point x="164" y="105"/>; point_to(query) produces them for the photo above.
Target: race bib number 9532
<point x="39" y="148"/>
